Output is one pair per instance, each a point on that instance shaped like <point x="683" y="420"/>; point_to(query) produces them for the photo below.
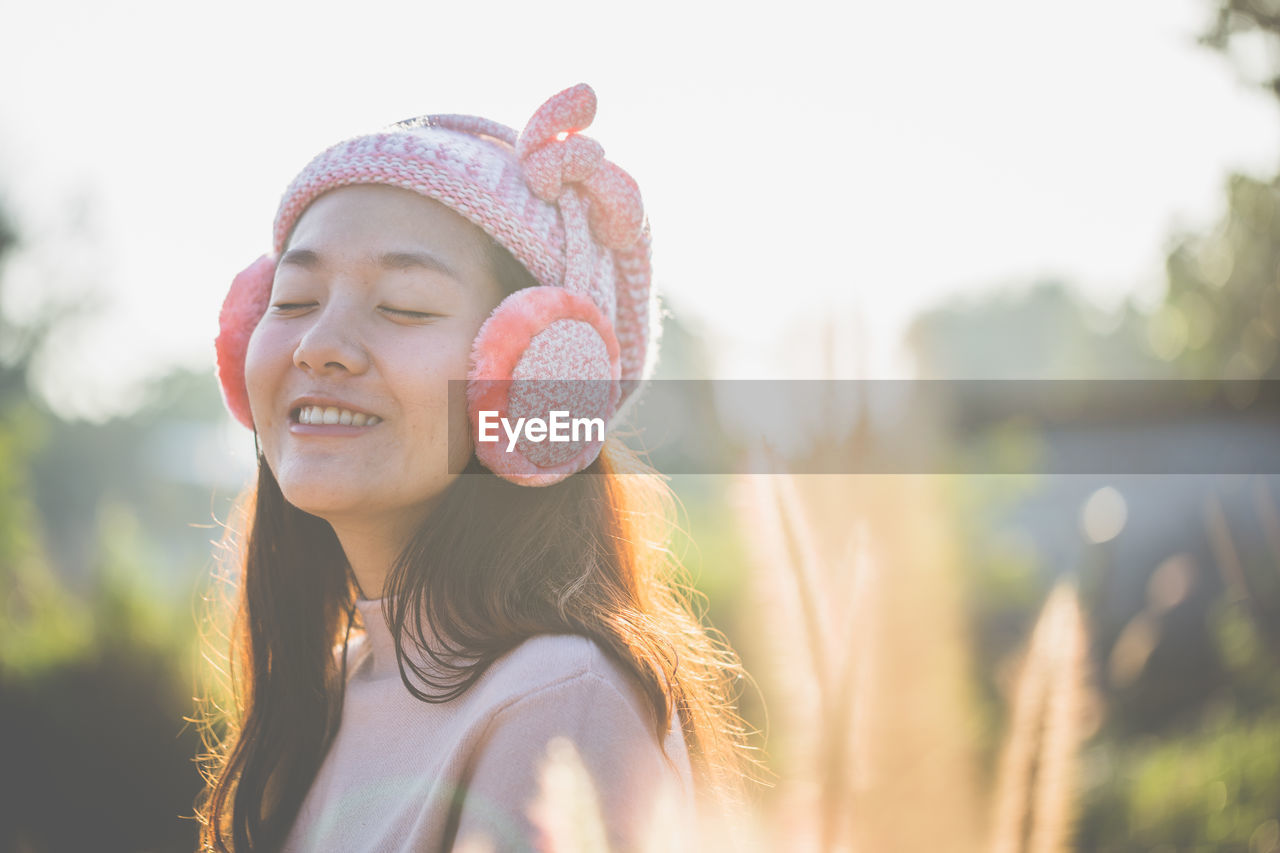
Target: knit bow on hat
<point x="554" y="154"/>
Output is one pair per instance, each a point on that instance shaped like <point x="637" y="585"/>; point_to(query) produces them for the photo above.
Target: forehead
<point x="371" y="218"/>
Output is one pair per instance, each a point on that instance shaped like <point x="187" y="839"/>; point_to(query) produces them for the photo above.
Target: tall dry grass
<point x="862" y="630"/>
<point x="1035" y="794"/>
<point x="868" y="677"/>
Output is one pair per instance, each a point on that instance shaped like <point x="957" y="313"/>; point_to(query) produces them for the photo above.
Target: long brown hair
<point x="492" y="565"/>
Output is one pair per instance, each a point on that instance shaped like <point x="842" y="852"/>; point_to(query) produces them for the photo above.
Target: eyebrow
<point x="311" y="260"/>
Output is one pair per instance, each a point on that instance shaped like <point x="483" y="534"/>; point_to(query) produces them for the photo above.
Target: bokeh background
<point x="983" y="190"/>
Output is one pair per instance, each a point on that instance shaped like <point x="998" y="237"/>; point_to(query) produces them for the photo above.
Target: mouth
<point x="329" y="416"/>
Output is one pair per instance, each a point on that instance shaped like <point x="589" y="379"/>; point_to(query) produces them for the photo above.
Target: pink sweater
<point x="405" y="775"/>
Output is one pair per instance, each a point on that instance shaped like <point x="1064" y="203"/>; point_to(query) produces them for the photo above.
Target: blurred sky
<point x="799" y="161"/>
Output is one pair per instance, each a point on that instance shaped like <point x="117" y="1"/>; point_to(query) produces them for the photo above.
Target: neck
<point x="372" y="548"/>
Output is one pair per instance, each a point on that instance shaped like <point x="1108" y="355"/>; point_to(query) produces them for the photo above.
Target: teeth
<point x="331" y="415"/>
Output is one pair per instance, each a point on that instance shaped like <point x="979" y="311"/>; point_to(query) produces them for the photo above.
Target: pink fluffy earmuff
<point x="579" y="341"/>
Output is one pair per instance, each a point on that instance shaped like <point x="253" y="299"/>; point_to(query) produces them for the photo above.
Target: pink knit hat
<point x="572" y="218"/>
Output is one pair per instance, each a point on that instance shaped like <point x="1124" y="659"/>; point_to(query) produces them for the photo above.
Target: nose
<point x="332" y="344"/>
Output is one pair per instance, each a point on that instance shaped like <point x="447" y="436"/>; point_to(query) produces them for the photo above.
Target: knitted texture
<point x="581" y="388"/>
<point x="476" y="179"/>
<point x="572" y="218"/>
<point x="543" y="349"/>
<point x="530" y="197"/>
<point x="554" y="155"/>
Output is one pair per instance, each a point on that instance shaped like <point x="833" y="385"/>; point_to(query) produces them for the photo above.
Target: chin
<point x="321" y="500"/>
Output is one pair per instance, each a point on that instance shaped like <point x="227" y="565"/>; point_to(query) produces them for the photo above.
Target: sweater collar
<point x="380" y="659"/>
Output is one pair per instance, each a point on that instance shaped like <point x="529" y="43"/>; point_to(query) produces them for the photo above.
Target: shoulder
<point x="563" y="713"/>
<point x="547" y="659"/>
<point x="559" y="665"/>
<point x="568" y="685"/>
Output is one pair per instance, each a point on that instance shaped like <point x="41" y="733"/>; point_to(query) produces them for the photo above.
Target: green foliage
<point x="1237" y="17"/>
<point x="1214" y="784"/>
<point x="1255" y="676"/>
<point x="96" y="657"/>
<point x="95" y="690"/>
<point x="709" y="545"/>
<point x="41" y="626"/>
<point x="1221" y="316"/>
<point x="1208" y="789"/>
<point x="1044" y="331"/>
<point x="1004" y="583"/>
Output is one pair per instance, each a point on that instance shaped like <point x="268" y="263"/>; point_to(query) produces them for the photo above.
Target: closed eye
<point x="291" y="306"/>
<point x="416" y="315"/>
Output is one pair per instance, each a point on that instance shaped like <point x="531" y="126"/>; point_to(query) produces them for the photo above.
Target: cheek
<point x="459" y="423"/>
<point x="264" y="357"/>
<point x="441" y="384"/>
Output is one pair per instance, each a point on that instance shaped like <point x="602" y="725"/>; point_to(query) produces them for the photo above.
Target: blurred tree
<point x="1196" y="781"/>
<point x="1043" y="331"/>
<point x="1204" y="786"/>
<point x="1236" y="20"/>
<point x="165" y="460"/>
<point x="94" y="681"/>
<point x="1220" y="318"/>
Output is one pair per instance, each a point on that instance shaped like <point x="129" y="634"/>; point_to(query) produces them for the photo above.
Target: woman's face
<point x="375" y="304"/>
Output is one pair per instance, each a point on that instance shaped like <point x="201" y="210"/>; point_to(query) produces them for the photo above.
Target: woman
<point x="424" y="620"/>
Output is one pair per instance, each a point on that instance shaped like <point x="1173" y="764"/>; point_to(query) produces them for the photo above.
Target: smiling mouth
<point x="332" y="416"/>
